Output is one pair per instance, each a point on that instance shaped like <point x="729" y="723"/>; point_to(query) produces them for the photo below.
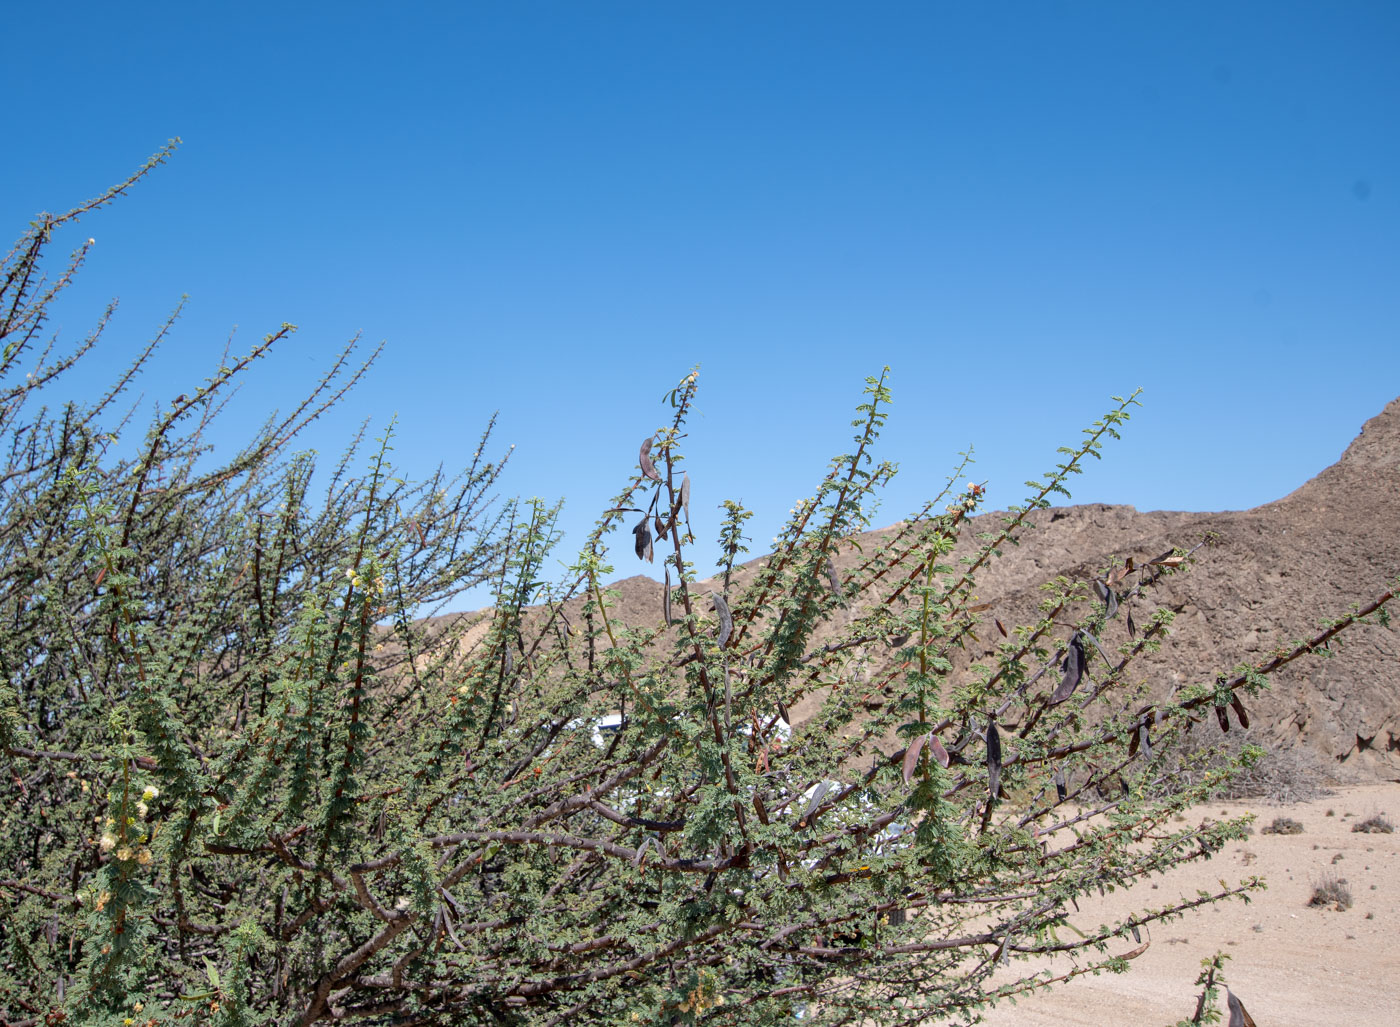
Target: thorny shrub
<point x="248" y="786"/>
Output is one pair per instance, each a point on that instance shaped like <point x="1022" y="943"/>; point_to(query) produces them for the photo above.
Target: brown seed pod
<point x="726" y="622"/>
<point x="661" y="528"/>
<point x="939" y="753"/>
<point x="911" y="757"/>
<point x="666" y="597"/>
<point x="1073" y="667"/>
<point x="832" y="578"/>
<point x="1238" y="1016"/>
<point x="1223" y="719"/>
<point x="642" y="543"/>
<point x="1238" y="707"/>
<point x="644" y="458"/>
<point x="993" y="759"/>
<point x="685" y="497"/>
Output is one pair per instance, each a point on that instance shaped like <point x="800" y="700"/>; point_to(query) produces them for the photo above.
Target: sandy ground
<point x="1291" y="964"/>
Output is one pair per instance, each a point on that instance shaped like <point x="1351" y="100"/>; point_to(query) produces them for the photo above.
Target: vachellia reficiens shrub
<point x="247" y="783"/>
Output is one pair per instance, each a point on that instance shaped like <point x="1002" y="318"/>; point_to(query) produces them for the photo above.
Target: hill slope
<point x="1272" y="575"/>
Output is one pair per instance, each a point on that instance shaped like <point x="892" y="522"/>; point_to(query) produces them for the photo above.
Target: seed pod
<point x="760" y="809"/>
<point x="644" y="458"/>
<point x="1223" y="719"/>
<point x="1061" y="789"/>
<point x="1137" y="935"/>
<point x="1146" y="741"/>
<point x="726" y="622"/>
<point x="1073" y="667"/>
<point x="1238" y="707"/>
<point x="1238" y="1016"/>
<point x="642" y="852"/>
<point x="911" y="756"/>
<point x="685" y="497"/>
<point x="782" y="712"/>
<point x="666" y="597"/>
<point x="1000" y="628"/>
<point x="1132" y="628"/>
<point x="642" y="543"/>
<point x="993" y="759"/>
<point x="939" y="753"/>
<point x="818" y="794"/>
<point x="833" y="578"/>
<point x="1097" y="645"/>
<point x="661" y="529"/>
<point x="1133" y="745"/>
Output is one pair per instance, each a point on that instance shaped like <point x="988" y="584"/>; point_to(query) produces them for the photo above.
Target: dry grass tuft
<point x="1376" y="824"/>
<point x="1331" y="891"/>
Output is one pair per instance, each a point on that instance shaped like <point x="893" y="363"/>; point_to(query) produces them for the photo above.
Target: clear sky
<point x="554" y="210"/>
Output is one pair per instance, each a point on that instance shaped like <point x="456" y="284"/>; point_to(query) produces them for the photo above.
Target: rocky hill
<point x="1271" y="576"/>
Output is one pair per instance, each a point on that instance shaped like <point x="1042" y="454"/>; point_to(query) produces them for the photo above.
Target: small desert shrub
<point x="1376" y="824"/>
<point x="1331" y="891"/>
<point x="1283" y="825"/>
<point x="1283" y="775"/>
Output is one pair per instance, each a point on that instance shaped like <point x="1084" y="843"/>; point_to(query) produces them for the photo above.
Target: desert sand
<point x="1292" y="964"/>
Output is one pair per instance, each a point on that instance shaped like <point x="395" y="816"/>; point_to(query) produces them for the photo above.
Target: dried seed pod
<point x="939" y="753"/>
<point x="666" y="597"/>
<point x="818" y="794"/>
<point x="1000" y="627"/>
<point x="642" y="543"/>
<point x="1099" y="646"/>
<point x="1222" y="718"/>
<point x="1073" y="667"/>
<point x="1132" y="628"/>
<point x="1061" y="788"/>
<point x="685" y="497"/>
<point x="760" y="809"/>
<point x="1137" y="935"/>
<point x="661" y="528"/>
<point x="833" y="578"/>
<point x="911" y="756"/>
<point x="1238" y="707"/>
<point x="642" y="851"/>
<point x="644" y="458"/>
<point x="1238" y="1016"/>
<point x="1146" y="740"/>
<point x="782" y="712"/>
<point x="993" y="759"/>
<point x="726" y="622"/>
<point x="1133" y="744"/>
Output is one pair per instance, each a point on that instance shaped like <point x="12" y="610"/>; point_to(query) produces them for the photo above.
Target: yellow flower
<point x="150" y="793"/>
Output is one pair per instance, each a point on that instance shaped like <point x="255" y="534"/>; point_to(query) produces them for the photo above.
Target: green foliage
<point x="251" y="784"/>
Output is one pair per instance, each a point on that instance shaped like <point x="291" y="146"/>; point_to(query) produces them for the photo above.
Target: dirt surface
<point x="1292" y="964"/>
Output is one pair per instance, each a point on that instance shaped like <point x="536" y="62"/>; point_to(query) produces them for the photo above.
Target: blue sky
<point x="555" y="210"/>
